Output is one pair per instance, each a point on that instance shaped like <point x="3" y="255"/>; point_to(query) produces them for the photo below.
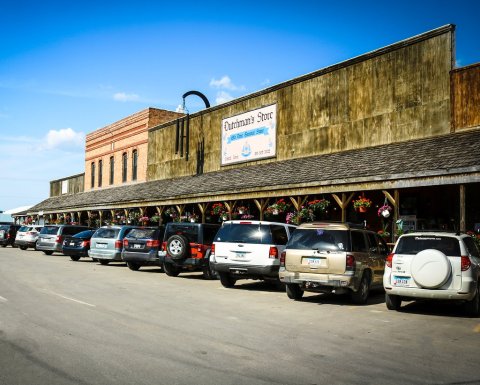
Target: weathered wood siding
<point x="75" y="185"/>
<point x="397" y="93"/>
<point x="465" y="97"/>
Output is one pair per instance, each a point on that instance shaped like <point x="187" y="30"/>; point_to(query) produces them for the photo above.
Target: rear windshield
<point x="143" y="234"/>
<point x="24" y="229"/>
<point x="84" y="234"/>
<point x="106" y="233"/>
<point x="191" y="232"/>
<point x="52" y="230"/>
<point x="244" y="233"/>
<point x="414" y="244"/>
<point x="319" y="239"/>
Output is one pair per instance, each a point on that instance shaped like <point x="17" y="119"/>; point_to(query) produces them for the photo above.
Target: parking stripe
<point x="3" y="299"/>
<point x="70" y="299"/>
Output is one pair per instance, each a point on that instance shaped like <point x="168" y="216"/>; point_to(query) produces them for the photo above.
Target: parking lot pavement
<point x="65" y="322"/>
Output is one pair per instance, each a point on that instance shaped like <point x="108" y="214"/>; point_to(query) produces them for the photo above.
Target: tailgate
<point x="313" y="261"/>
<point x="247" y="253"/>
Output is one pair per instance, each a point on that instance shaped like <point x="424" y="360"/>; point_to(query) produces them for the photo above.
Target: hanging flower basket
<point x="362" y="204"/>
<point x="279" y="207"/>
<point x="318" y="205"/>
<point x="384" y="211"/>
<point x="218" y="209"/>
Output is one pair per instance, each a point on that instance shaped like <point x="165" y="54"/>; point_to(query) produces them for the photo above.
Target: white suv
<point x="27" y="236"/>
<point x="249" y="249"/>
<point x="433" y="265"/>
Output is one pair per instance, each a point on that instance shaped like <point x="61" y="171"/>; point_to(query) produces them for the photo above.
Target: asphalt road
<point x="65" y="322"/>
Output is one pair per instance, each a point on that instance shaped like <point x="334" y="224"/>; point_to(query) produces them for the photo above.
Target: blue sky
<point x="69" y="68"/>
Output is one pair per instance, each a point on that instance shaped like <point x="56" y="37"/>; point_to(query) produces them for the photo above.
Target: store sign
<point x="250" y="136"/>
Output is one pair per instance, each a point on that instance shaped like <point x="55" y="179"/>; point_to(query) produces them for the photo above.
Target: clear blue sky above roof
<point x="68" y="68"/>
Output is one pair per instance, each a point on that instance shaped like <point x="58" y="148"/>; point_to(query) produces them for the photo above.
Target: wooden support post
<point x="343" y="203"/>
<point x="261" y="205"/>
<point x="203" y="210"/>
<point x="463" y="226"/>
<point x="298" y="202"/>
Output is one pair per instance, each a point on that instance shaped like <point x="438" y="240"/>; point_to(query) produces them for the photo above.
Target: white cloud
<point x="123" y="97"/>
<point x="226" y="83"/>
<point x="63" y="139"/>
<point x="223" y="97"/>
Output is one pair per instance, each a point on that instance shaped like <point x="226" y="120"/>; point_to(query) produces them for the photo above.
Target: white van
<point x="249" y="250"/>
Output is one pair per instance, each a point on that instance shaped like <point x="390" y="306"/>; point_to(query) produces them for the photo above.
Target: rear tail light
<point x="118" y="244"/>
<point x="282" y="258"/>
<point x="125" y="243"/>
<point x="466" y="263"/>
<point x="59" y="239"/>
<point x="273" y="253"/>
<point x="212" y="250"/>
<point x="85" y="243"/>
<point x="350" y="263"/>
<point x="389" y="260"/>
<point x="164" y="246"/>
<point x="9" y="236"/>
<point x="153" y="243"/>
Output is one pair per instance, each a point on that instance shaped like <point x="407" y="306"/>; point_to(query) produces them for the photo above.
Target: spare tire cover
<point x="178" y="247"/>
<point x="430" y="268"/>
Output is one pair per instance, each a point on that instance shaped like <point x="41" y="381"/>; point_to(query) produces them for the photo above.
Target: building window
<point x="124" y="167"/>
<point x="134" y="164"/>
<point x="112" y="169"/>
<point x="92" y="171"/>
<point x="100" y="172"/>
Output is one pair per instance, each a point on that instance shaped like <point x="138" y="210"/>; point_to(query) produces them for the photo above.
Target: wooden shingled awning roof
<point x="446" y="159"/>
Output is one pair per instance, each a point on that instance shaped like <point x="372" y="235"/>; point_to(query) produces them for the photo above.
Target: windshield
<point x="106" y="233"/>
<point x="142" y="233"/>
<point x="84" y="234"/>
<point x="52" y="230"/>
<point x="319" y="239"/>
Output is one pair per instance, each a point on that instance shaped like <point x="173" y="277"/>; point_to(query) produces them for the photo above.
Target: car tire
<point x="103" y="261"/>
<point x="360" y="296"/>
<point x="170" y="269"/>
<point x="48" y="252"/>
<point x="178" y="247"/>
<point x="23" y="247"/>
<point x="4" y="245"/>
<point x="393" y="302"/>
<point x="135" y="266"/>
<point x="472" y="307"/>
<point x="74" y="258"/>
<point x="227" y="280"/>
<point x="294" y="291"/>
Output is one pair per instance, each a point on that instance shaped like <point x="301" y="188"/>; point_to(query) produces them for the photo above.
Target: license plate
<point x="72" y="243"/>
<point x="238" y="271"/>
<point x="137" y="246"/>
<point x="400" y="281"/>
<point x="101" y="245"/>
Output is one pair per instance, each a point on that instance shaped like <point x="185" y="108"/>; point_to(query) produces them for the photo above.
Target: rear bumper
<point x="133" y="256"/>
<point x="49" y="247"/>
<point x="466" y="292"/>
<point x="239" y="270"/>
<point x="106" y="254"/>
<point x="312" y="281"/>
<point x="24" y="243"/>
<point x="75" y="253"/>
<point x="190" y="263"/>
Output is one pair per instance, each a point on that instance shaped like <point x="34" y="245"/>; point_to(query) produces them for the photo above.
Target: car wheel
<point x="170" y="269"/>
<point x="178" y="246"/>
<point x="393" y="302"/>
<point x="4" y="245"/>
<point x="360" y="296"/>
<point x="48" y="252"/>
<point x="74" y="258"/>
<point x="104" y="261"/>
<point x="472" y="308"/>
<point x="23" y="247"/>
<point x="294" y="291"/>
<point x="227" y="280"/>
<point x="133" y="266"/>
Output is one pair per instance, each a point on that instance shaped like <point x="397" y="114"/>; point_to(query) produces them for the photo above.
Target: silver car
<point x="433" y="265"/>
<point x="27" y="236"/>
<point x="51" y="237"/>
<point x="107" y="243"/>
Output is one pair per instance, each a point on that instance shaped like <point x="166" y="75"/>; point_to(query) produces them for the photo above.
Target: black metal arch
<point x="199" y="94"/>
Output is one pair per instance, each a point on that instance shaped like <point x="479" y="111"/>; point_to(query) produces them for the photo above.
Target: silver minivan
<point x="50" y="238"/>
<point x="106" y="243"/>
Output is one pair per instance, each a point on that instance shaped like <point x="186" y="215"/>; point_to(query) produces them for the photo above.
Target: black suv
<point x="142" y="246"/>
<point x="188" y="246"/>
<point x="8" y="234"/>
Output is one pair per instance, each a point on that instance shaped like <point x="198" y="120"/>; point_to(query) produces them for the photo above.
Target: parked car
<point x="106" y="243"/>
<point x="141" y="247"/>
<point x="330" y="257"/>
<point x="76" y="246"/>
<point x="7" y="234"/>
<point x="249" y="250"/>
<point x="51" y="237"/>
<point x="187" y="246"/>
<point x="27" y="236"/>
<point x="433" y="265"/>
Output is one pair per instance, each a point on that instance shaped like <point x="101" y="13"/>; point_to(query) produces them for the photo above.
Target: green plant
<point x="319" y="204"/>
<point x="278" y="207"/>
<point x="218" y="209"/>
<point x="362" y="202"/>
